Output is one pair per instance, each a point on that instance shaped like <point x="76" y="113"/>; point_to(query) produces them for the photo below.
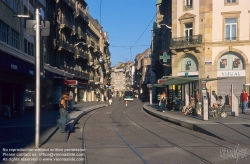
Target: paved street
<point x="104" y="135"/>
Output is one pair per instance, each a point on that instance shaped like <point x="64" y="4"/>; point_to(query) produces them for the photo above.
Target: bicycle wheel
<point x="215" y="115"/>
<point x="223" y="115"/>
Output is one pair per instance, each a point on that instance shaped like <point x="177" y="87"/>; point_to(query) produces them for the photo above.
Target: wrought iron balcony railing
<point x="66" y="45"/>
<point x="186" y="41"/>
<point x="67" y="22"/>
<point x="85" y="75"/>
<point x="84" y="16"/>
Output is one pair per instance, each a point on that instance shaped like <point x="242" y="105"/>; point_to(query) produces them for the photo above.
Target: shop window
<point x="188" y="63"/>
<point x="230" y="29"/>
<point x="230" y="62"/>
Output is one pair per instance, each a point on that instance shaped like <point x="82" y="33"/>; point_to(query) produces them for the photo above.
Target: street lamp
<point x="166" y="26"/>
<point x="80" y="43"/>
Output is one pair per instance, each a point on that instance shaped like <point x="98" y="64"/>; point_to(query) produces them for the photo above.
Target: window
<point x="188" y="31"/>
<point x="25" y="46"/>
<point x="188" y="3"/>
<point x="230" y="29"/>
<point x="29" y="48"/>
<point x="231" y="1"/>
<point x="188" y="63"/>
<point x="230" y="61"/>
<point x="13" y="5"/>
<point x="3" y="32"/>
<point x="15" y="39"/>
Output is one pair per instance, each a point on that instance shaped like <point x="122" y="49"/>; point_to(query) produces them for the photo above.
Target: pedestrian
<point x="163" y="103"/>
<point x="215" y="95"/>
<point x="208" y="98"/>
<point x="244" y="100"/>
<point x="63" y="111"/>
<point x="70" y="102"/>
<point x="110" y="97"/>
<point x="162" y="95"/>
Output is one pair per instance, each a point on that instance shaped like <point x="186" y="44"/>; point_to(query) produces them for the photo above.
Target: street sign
<point x="31" y="27"/>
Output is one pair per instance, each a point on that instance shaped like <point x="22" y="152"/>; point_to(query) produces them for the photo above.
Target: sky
<point x="128" y="24"/>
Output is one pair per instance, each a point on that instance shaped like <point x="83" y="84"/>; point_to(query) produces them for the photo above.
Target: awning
<point x="248" y="84"/>
<point x="183" y="80"/>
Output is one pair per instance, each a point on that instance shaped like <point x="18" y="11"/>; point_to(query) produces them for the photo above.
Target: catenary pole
<point x="37" y="28"/>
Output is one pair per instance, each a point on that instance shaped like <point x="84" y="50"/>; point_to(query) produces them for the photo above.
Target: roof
<point x="183" y="80"/>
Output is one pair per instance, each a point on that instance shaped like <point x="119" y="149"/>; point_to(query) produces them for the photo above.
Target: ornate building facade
<point x="75" y="56"/>
<point x="209" y="39"/>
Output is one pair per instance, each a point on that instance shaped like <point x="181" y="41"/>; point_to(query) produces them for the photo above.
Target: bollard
<point x="126" y="103"/>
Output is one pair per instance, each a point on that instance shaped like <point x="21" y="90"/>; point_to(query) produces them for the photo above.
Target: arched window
<point x="230" y="61"/>
<point x="188" y="64"/>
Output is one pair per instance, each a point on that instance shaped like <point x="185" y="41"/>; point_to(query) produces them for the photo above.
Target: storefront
<point x="231" y="65"/>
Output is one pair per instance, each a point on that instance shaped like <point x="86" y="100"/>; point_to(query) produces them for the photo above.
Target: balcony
<point x="81" y="74"/>
<point x="84" y="16"/>
<point x="70" y="3"/>
<point x="190" y="41"/>
<point x="65" y="45"/>
<point x="81" y="53"/>
<point x="66" y="22"/>
<point x="85" y="75"/>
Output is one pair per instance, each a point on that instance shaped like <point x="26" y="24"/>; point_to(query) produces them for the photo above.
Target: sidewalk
<point x="231" y="129"/>
<point x="50" y="118"/>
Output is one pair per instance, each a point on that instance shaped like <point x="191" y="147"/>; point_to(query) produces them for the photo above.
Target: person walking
<point x="70" y="102"/>
<point x="244" y="100"/>
<point x="110" y="97"/>
<point x="163" y="103"/>
<point x="63" y="111"/>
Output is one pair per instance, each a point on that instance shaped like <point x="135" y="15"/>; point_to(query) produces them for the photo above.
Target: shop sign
<point x="161" y="80"/>
<point x="13" y="66"/>
<point x="231" y="73"/>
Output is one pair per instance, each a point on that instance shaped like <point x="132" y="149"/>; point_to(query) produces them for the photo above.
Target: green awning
<point x="183" y="80"/>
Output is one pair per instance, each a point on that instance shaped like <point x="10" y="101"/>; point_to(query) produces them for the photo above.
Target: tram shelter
<point x="184" y="82"/>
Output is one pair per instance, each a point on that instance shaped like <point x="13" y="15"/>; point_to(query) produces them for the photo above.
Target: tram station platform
<point x="234" y="129"/>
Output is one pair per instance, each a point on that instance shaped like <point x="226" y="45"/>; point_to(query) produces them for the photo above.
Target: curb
<point x="181" y="123"/>
<point x="87" y="110"/>
<point x="74" y="120"/>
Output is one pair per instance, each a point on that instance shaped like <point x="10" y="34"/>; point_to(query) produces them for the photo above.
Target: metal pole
<point x="37" y="78"/>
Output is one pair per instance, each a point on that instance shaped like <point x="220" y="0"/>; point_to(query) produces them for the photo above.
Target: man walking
<point x="63" y="111"/>
<point x="244" y="100"/>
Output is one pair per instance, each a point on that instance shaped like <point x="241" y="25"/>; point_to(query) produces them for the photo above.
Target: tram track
<point x="186" y="131"/>
<point x="118" y="128"/>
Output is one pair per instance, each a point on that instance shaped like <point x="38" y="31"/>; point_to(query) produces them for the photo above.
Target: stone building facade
<point x="209" y="39"/>
<point x="75" y="56"/>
